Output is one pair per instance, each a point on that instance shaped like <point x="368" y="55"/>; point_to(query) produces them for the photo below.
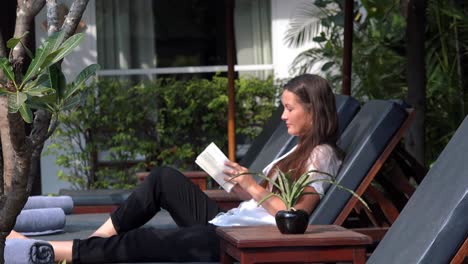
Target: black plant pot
<point x="292" y="222"/>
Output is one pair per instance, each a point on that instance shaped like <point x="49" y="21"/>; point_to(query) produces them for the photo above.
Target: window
<point x="150" y="37"/>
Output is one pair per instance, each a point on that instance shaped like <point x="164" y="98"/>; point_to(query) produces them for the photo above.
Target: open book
<point x="212" y="161"/>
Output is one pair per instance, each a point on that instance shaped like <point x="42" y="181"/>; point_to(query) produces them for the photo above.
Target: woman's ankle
<point x="14" y="234"/>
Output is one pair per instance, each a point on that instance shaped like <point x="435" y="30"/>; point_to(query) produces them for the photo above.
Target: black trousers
<point x="194" y="240"/>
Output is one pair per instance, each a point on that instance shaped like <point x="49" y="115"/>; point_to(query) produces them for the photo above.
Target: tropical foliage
<point x="43" y="86"/>
<point x="166" y="121"/>
<point x="379" y="59"/>
<point x="447" y="68"/>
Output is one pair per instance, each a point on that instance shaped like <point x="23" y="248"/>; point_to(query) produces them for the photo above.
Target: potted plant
<point x="288" y="190"/>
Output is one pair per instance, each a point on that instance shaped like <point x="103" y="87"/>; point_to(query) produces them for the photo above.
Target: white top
<point x="248" y="213"/>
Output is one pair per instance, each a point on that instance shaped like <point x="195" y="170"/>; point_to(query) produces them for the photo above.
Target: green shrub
<point x="165" y="121"/>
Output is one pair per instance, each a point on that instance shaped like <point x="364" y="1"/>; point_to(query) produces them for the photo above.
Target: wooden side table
<point x="320" y="243"/>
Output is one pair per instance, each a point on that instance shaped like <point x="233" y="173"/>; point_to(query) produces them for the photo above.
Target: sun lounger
<point x="275" y="141"/>
<point x="434" y="223"/>
<point x="367" y="141"/>
<point x="96" y="201"/>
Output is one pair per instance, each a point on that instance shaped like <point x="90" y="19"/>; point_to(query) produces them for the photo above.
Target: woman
<point x="309" y="113"/>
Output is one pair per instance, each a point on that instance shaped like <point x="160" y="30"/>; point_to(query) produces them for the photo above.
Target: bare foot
<point x="15" y="234"/>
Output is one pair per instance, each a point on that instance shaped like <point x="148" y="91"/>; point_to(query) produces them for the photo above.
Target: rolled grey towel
<point x="28" y="251"/>
<point x="63" y="201"/>
<point x="34" y="222"/>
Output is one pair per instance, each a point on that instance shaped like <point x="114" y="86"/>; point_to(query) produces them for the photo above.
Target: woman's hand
<point x="236" y="174"/>
<point x="249" y="188"/>
<point x="241" y="193"/>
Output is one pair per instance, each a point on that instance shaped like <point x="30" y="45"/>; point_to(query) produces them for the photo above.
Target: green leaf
<point x="36" y="64"/>
<point x="14" y="41"/>
<point x="41" y="80"/>
<point x="321" y="3"/>
<point x="11" y="43"/>
<point x="53" y="74"/>
<point x="71" y="102"/>
<point x="58" y="36"/>
<point x="51" y="57"/>
<point x="266" y="198"/>
<point x="286" y="182"/>
<point x="15" y="100"/>
<point x="57" y="81"/>
<point x="280" y="180"/>
<point x="7" y="69"/>
<point x="34" y="67"/>
<point x="81" y="79"/>
<point x="68" y="46"/>
<point x="3" y="91"/>
<point x="327" y="65"/>
<point x="54" y="47"/>
<point x="26" y="113"/>
<point x="39" y="91"/>
<point x="274" y="183"/>
<point x="319" y="39"/>
<point x="339" y="186"/>
<point x="47" y="102"/>
<point x="338" y="19"/>
<point x="40" y="62"/>
<point x="52" y="52"/>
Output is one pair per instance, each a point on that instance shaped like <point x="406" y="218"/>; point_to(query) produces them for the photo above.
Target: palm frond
<point x="268" y="197"/>
<point x="305" y="25"/>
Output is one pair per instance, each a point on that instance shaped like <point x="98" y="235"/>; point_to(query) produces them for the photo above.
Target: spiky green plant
<point x="290" y="190"/>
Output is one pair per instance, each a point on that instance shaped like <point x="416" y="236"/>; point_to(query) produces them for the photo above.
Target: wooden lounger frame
<point x="376" y="168"/>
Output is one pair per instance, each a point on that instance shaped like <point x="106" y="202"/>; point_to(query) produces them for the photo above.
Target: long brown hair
<point x="318" y="100"/>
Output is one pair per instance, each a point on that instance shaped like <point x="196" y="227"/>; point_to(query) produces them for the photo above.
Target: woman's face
<point x="296" y="117"/>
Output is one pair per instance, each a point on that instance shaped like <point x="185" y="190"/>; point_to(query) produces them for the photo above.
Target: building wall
<point x="282" y="56"/>
<point x="281" y="13"/>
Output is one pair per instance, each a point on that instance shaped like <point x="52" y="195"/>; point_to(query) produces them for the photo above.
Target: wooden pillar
<point x="347" y="47"/>
<point x="231" y="76"/>
<point x="416" y="77"/>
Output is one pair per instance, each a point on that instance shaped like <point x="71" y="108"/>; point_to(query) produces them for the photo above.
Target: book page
<point x="212" y="161"/>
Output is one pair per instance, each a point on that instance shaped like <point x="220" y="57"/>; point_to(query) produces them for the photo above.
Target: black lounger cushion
<point x="363" y="141"/>
<point x="434" y="223"/>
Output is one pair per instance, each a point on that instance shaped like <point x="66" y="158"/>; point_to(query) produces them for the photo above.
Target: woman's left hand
<point x="235" y="173"/>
